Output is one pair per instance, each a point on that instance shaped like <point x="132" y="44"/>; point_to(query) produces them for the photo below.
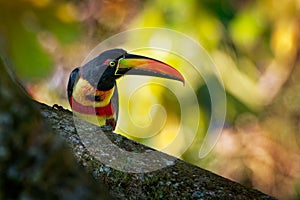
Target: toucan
<point x="92" y="89"/>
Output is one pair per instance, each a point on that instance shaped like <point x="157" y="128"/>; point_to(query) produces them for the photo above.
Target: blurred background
<point x="254" y="44"/>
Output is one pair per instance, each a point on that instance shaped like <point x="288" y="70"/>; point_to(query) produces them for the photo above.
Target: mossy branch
<point x="178" y="180"/>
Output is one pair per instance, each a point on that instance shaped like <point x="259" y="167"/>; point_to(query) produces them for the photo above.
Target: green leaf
<point x="30" y="60"/>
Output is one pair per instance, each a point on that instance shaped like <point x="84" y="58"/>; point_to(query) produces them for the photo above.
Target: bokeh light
<point x="254" y="44"/>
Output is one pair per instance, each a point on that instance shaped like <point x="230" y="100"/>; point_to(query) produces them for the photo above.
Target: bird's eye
<point x="112" y="63"/>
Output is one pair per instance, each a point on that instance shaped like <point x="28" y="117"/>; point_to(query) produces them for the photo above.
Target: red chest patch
<point x="107" y="110"/>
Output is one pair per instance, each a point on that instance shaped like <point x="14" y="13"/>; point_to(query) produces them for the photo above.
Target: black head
<point x="102" y="71"/>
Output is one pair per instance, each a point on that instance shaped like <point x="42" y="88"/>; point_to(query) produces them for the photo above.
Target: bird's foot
<point x="111" y="122"/>
<point x="106" y="128"/>
<point x="58" y="107"/>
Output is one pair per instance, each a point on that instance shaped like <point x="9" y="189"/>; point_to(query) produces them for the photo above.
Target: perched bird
<point x="92" y="89"/>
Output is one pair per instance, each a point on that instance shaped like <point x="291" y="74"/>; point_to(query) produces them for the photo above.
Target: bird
<point x="92" y="89"/>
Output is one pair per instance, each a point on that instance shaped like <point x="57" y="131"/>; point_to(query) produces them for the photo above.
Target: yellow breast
<point x="83" y="89"/>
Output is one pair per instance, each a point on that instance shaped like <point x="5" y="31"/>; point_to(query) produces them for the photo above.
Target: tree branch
<point x="178" y="180"/>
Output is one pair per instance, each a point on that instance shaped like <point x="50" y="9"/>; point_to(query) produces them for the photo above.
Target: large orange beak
<point x="132" y="64"/>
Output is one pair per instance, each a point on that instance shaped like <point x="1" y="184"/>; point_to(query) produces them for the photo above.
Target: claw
<point x="106" y="128"/>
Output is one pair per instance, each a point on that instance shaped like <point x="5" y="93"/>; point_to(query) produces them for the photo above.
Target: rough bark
<point x="179" y="180"/>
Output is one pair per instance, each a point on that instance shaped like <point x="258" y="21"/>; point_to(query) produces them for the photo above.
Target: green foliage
<point x="30" y="59"/>
<point x="25" y="25"/>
